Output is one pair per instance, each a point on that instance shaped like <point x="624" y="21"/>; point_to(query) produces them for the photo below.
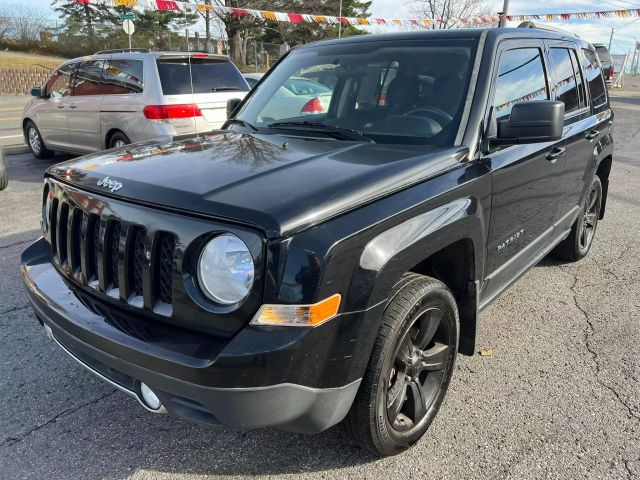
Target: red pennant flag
<point x="240" y="12"/>
<point x="295" y="18"/>
<point x="167" y="5"/>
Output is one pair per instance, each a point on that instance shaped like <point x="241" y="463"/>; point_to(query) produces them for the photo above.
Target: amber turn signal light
<point x="299" y="315"/>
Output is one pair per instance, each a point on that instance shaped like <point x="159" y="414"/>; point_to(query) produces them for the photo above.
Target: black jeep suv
<point x="325" y="259"/>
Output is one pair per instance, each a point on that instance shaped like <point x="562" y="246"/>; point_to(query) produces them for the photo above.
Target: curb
<point x="15" y="149"/>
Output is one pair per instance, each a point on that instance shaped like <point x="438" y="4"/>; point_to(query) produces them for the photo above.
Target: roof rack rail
<point x="544" y="26"/>
<point x="123" y="50"/>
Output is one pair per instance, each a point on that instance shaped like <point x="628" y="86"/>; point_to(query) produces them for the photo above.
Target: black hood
<point x="278" y="184"/>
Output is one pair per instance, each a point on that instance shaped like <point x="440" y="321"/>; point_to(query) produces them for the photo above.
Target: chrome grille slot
<point x="91" y="248"/>
<point x="53" y="223"/>
<point x="111" y="249"/>
<point x="63" y="218"/>
<point x="74" y="240"/>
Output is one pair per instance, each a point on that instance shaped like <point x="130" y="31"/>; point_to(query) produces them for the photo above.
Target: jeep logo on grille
<point x="112" y="185"/>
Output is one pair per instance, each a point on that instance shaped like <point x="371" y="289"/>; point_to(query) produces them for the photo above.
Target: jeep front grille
<point x="110" y="256"/>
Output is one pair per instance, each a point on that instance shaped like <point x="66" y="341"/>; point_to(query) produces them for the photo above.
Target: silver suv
<point x="114" y="98"/>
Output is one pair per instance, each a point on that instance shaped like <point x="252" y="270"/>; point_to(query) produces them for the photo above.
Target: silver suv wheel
<point x="34" y="140"/>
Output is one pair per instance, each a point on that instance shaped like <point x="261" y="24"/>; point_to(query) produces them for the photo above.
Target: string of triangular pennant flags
<point x="353" y="21"/>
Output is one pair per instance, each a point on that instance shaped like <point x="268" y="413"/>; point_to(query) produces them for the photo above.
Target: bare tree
<point x="22" y="23"/>
<point x="449" y="12"/>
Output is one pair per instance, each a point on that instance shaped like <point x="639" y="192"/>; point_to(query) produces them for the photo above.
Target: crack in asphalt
<point x="587" y="336"/>
<point x="627" y="468"/>
<point x="17" y="243"/>
<point x="15" y="309"/>
<point x="65" y="413"/>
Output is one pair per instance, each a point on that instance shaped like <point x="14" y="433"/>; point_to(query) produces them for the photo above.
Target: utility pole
<point x="611" y="39"/>
<point x="340" y="21"/>
<point x="504" y="13"/>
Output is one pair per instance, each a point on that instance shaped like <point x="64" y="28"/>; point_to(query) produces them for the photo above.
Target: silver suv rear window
<point x="209" y="75"/>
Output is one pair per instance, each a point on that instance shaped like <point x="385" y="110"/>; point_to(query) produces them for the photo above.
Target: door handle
<point x="555" y="153"/>
<point x="591" y="134"/>
<point x="60" y="106"/>
<point x="72" y="106"/>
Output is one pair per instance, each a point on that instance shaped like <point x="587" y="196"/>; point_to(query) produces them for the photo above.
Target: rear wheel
<point x="410" y="367"/>
<point x="578" y="243"/>
<point x="118" y="140"/>
<point x="34" y="141"/>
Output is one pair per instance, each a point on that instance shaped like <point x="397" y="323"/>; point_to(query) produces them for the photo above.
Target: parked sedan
<point x="296" y="97"/>
<point x="114" y="98"/>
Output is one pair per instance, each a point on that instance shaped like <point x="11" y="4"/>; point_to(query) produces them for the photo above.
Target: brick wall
<point x="16" y="81"/>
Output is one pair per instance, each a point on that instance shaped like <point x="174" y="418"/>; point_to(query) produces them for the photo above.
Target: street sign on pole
<point x="129" y="28"/>
<point x="128" y="16"/>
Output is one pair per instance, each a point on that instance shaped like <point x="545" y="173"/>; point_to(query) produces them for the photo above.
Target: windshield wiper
<point x="242" y="123"/>
<point x="225" y="89"/>
<point x="346" y="132"/>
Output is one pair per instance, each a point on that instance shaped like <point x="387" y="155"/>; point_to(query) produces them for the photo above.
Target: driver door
<point x="527" y="179"/>
<point x="53" y="108"/>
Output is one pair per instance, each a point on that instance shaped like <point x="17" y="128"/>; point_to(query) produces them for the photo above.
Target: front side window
<point x="565" y="86"/>
<point x="521" y="78"/>
<point x="86" y="79"/>
<point x="122" y="77"/>
<point x="409" y="92"/>
<point x="59" y="85"/>
<point x="597" y="88"/>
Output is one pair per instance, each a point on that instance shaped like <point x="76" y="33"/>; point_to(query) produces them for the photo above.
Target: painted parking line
<point x="2" y="119"/>
<point x="11" y="136"/>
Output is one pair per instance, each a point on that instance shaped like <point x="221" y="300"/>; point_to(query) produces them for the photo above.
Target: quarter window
<point x="86" y="80"/>
<point x="521" y="78"/>
<point x="59" y="85"/>
<point x="121" y="77"/>
<point x="595" y="81"/>
<point x="566" y="87"/>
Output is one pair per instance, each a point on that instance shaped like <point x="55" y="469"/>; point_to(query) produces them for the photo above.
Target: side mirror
<point x="538" y="121"/>
<point x="232" y="106"/>
<point x="36" y="92"/>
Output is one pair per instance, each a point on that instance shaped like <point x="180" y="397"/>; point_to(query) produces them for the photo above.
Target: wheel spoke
<point x="435" y="358"/>
<point x="416" y="402"/>
<point x="404" y="351"/>
<point x="396" y="396"/>
<point x="428" y="326"/>
<point x="593" y="197"/>
<point x="591" y="218"/>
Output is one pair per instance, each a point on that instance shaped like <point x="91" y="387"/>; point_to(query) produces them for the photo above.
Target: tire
<point x="118" y="140"/>
<point x="4" y="174"/>
<point x="34" y="141"/>
<point x="421" y="318"/>
<point x="577" y="245"/>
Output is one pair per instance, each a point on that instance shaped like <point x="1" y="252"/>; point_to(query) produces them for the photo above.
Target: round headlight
<point x="225" y="269"/>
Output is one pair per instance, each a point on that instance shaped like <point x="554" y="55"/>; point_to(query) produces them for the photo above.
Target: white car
<point x="118" y="97"/>
<point x="296" y="97"/>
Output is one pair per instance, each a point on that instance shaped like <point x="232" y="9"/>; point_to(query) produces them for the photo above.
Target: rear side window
<point x="209" y="75"/>
<point x="604" y="55"/>
<point x="594" y="80"/>
<point x="59" y="85"/>
<point x="86" y="80"/>
<point x="521" y="78"/>
<point x="121" y="77"/>
<point x="566" y="87"/>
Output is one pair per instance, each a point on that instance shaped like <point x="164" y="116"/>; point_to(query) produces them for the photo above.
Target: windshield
<point x="404" y="92"/>
<point x="209" y="75"/>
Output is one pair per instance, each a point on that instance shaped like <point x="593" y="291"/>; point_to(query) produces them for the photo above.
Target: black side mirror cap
<point x="232" y="106"/>
<point x="36" y="92"/>
<point x="537" y="121"/>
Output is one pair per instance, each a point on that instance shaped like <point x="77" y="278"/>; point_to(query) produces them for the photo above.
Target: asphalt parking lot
<point x="559" y="397"/>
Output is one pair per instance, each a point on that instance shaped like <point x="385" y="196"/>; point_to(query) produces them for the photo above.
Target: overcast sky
<point x="596" y="31"/>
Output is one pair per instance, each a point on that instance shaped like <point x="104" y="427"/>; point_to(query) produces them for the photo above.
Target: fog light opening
<point x="149" y="398"/>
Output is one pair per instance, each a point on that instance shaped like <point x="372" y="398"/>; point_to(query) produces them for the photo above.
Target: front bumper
<point x="186" y="384"/>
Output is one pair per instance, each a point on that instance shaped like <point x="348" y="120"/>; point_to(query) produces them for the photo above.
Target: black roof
<point x="457" y="33"/>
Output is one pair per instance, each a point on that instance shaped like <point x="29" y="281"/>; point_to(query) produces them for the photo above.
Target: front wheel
<point x="35" y="142"/>
<point x="578" y="243"/>
<point x="410" y="367"/>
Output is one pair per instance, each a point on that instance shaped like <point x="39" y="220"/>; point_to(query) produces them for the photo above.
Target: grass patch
<point x="27" y="60"/>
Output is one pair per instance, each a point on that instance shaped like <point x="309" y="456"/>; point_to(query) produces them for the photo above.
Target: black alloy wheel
<point x="577" y="245"/>
<point x="410" y="367"/>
